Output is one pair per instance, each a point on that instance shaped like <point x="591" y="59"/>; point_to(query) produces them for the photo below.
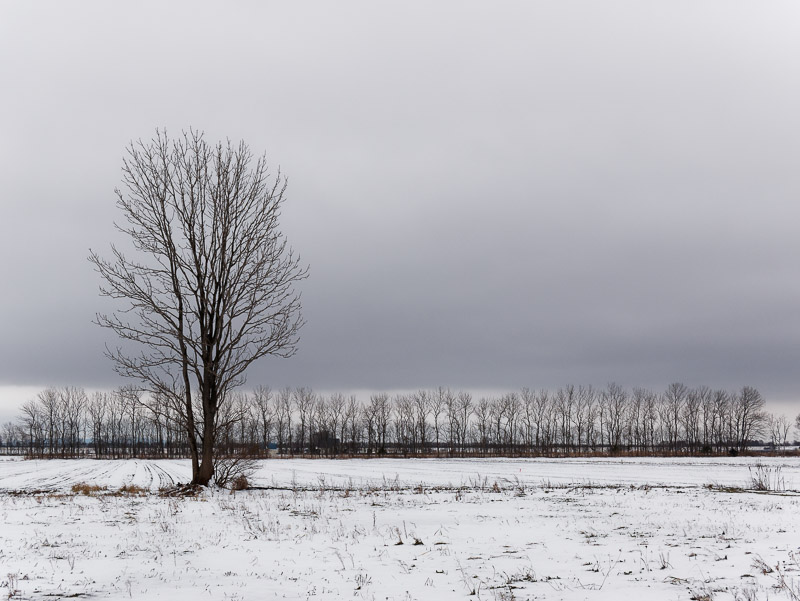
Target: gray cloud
<point x="488" y="197"/>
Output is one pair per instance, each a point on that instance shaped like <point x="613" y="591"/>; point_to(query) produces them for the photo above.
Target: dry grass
<point x="132" y="490"/>
<point x="83" y="488"/>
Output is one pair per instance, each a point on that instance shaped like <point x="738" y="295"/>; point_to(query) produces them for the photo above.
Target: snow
<point x="329" y="529"/>
<point x="60" y="474"/>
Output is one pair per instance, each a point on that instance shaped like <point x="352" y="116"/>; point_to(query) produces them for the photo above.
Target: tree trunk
<point x="206" y="471"/>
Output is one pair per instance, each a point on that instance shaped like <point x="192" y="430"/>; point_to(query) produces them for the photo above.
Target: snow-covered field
<point x="406" y="529"/>
<point x="59" y="475"/>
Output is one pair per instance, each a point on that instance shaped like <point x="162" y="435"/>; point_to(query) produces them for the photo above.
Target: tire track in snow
<point x="164" y="479"/>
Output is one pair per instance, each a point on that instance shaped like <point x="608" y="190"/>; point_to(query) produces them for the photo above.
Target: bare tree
<point x="265" y="412"/>
<point x="483" y="416"/>
<point x="565" y="405"/>
<point x="421" y="400"/>
<point x="97" y="415"/>
<point x="33" y="422"/>
<point x="779" y="426"/>
<point x="511" y="409"/>
<point x="209" y="288"/>
<point x="451" y="404"/>
<point x="585" y="416"/>
<point x="527" y="399"/>
<point x="351" y="426"/>
<point x="74" y="401"/>
<point x="614" y="400"/>
<point x="404" y="423"/>
<point x="369" y="417"/>
<point x="48" y="400"/>
<point x="303" y="399"/>
<point x="748" y="416"/>
<point x="710" y="418"/>
<point x="336" y="419"/>
<point x="543" y="410"/>
<point x="381" y="408"/>
<point x="691" y="417"/>
<point x="13" y="438"/>
<point x="722" y="432"/>
<point x="672" y="403"/>
<point x="438" y="404"/>
<point x="465" y="412"/>
<point x="283" y="417"/>
<point x="648" y="418"/>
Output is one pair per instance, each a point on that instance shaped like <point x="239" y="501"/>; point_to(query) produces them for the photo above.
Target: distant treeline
<point x="573" y="420"/>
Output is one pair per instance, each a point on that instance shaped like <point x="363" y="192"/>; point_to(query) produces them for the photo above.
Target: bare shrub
<point x="788" y="585"/>
<point x="235" y="468"/>
<point x="761" y="565"/>
<point x="13" y="581"/>
<point x="766" y="479"/>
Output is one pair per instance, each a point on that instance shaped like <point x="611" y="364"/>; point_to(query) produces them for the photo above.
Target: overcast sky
<point x="489" y="195"/>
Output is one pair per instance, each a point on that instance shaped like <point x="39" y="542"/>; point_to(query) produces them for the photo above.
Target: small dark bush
<point x="240" y="483"/>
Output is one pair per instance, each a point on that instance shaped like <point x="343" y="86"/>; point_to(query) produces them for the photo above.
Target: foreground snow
<point x="335" y="530"/>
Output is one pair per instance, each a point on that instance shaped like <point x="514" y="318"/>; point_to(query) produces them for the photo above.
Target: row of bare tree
<point x="66" y="422"/>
